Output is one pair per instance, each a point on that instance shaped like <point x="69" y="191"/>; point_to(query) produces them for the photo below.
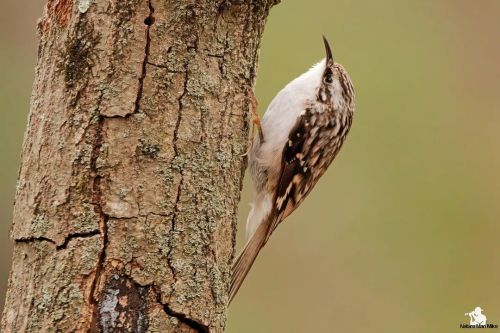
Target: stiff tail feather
<point x="247" y="257"/>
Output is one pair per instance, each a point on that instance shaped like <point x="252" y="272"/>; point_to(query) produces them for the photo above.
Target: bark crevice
<point x="195" y="325"/>
<point x="148" y="21"/>
<point x="62" y="245"/>
<point x="103" y="217"/>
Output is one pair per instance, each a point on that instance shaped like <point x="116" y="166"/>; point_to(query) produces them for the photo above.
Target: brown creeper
<point x="303" y="129"/>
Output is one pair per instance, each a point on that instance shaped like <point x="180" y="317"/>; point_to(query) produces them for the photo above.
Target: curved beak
<point x="329" y="55"/>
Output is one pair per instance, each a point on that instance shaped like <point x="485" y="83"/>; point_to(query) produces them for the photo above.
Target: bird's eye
<point x="328" y="78"/>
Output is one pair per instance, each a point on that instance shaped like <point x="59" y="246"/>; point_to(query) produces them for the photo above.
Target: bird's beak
<point x="329" y="56"/>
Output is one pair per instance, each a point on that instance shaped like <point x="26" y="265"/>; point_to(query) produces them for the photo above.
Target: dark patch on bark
<point x="123" y="306"/>
<point x="79" y="53"/>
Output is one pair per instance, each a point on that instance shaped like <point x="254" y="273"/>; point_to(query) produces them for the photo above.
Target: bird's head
<point x="335" y="87"/>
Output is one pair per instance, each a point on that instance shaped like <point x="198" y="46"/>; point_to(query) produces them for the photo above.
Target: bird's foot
<point x="255" y="115"/>
<point x="255" y="123"/>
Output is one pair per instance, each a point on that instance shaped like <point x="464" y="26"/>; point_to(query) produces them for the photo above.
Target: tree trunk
<point x="125" y="213"/>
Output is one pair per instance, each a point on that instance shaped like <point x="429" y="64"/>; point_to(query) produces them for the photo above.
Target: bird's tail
<point x="247" y="257"/>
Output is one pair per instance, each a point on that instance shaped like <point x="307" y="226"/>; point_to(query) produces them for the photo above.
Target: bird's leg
<point x="255" y="122"/>
<point x="255" y="115"/>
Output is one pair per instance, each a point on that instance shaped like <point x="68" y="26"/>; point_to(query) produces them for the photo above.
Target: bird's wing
<point x="295" y="180"/>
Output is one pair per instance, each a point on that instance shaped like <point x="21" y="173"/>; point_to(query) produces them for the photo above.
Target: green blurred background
<point x="401" y="234"/>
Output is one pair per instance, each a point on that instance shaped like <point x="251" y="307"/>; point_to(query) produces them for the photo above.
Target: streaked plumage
<point x="304" y="127"/>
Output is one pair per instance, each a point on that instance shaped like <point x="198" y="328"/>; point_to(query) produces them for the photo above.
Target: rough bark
<point x="125" y="211"/>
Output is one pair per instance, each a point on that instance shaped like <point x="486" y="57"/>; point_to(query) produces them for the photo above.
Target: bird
<point x="300" y="134"/>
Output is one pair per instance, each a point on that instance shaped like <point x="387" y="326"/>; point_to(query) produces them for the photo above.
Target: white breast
<point x="282" y="113"/>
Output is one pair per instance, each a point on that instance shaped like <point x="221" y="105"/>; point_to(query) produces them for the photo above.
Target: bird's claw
<point x="255" y="123"/>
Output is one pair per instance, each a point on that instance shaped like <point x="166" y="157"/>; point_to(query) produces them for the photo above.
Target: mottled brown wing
<point x="295" y="173"/>
<point x="312" y="145"/>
